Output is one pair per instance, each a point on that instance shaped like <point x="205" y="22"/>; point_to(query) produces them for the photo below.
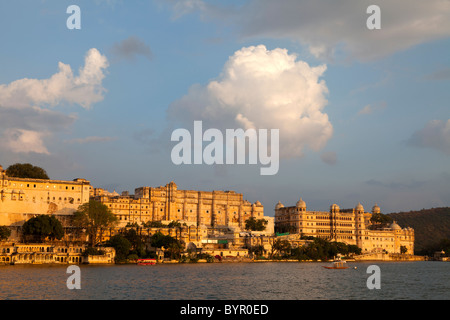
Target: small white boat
<point x="337" y="264"/>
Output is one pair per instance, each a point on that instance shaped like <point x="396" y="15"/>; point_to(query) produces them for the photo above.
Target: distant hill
<point x="430" y="226"/>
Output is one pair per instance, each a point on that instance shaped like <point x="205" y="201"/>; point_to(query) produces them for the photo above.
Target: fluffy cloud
<point x="435" y="135"/>
<point x="332" y="28"/>
<point x="19" y="140"/>
<point x="26" y="117"/>
<point x="263" y="89"/>
<point x="63" y="86"/>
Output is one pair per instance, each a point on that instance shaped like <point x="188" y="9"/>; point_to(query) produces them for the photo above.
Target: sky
<point x="363" y="114"/>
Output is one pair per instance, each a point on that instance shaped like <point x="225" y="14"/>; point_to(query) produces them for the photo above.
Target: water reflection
<point x="221" y="281"/>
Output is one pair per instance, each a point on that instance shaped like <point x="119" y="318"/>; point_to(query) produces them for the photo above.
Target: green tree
<point x="26" y="170"/>
<point x="95" y="217"/>
<point x="174" y="224"/>
<point x="5" y="233"/>
<point x="121" y="245"/>
<point x="136" y="241"/>
<point x="353" y="248"/>
<point x="154" y="224"/>
<point x="43" y="227"/>
<point x="257" y="250"/>
<point x="280" y="246"/>
<point x="254" y="224"/>
<point x="172" y="245"/>
<point x="380" y="220"/>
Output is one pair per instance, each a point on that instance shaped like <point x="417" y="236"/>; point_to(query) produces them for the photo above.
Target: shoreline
<point x="203" y="261"/>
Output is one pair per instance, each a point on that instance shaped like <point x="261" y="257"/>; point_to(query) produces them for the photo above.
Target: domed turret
<point x="359" y="208"/>
<point x="376" y="209"/>
<point x="395" y="226"/>
<point x="279" y="205"/>
<point x="301" y="204"/>
<point x="334" y="207"/>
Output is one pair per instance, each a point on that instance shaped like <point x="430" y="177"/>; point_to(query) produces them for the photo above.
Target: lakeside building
<point x="351" y="226"/>
<point x="22" y="199"/>
<point x="195" y="208"/>
<point x="212" y="221"/>
<point x="44" y="253"/>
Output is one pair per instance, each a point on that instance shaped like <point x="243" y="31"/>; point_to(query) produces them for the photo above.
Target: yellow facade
<point x="22" y="199"/>
<point x="167" y="203"/>
<point x="351" y="226"/>
<point x="41" y="253"/>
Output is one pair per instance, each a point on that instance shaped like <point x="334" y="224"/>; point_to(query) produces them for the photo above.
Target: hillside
<point x="430" y="226"/>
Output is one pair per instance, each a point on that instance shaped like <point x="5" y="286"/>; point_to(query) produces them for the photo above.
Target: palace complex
<point x="351" y="226"/>
<point x="213" y="221"/>
<point x="195" y="208"/>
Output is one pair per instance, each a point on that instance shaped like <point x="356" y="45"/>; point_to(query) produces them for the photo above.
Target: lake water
<point x="228" y="281"/>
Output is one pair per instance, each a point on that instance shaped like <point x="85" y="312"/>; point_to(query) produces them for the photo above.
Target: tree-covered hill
<point x="430" y="226"/>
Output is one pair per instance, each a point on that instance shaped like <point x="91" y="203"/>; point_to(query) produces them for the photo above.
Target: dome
<point x="258" y="203"/>
<point x="301" y="204"/>
<point x="279" y="205"/>
<point x="359" y="207"/>
<point x="334" y="207"/>
<point x="376" y="209"/>
<point x="395" y="226"/>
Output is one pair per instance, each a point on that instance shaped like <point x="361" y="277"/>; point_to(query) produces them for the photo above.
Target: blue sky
<point x="139" y="69"/>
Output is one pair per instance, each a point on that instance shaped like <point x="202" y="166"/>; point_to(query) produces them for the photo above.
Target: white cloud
<point x="25" y="117"/>
<point x="24" y="141"/>
<point x="263" y="89"/>
<point x="85" y="90"/>
<point x="331" y="28"/>
<point x="435" y="135"/>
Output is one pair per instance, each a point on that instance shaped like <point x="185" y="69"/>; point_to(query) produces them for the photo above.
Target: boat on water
<point x="146" y="262"/>
<point x="337" y="264"/>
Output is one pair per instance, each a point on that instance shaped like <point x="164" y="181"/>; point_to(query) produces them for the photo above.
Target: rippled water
<point x="228" y="281"/>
